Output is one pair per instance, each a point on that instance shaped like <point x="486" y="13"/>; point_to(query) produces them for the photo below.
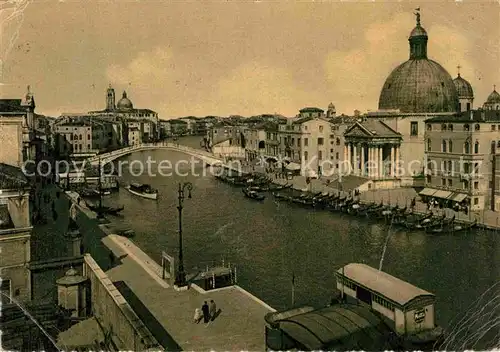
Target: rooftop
<point x="339" y="327"/>
<point x="392" y="288"/>
<point x="11" y="106"/>
<point x="371" y="128"/>
<point x="484" y="116"/>
<point x="12" y="177"/>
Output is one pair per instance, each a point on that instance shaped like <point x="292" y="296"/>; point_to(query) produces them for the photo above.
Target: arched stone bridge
<point x="205" y="156"/>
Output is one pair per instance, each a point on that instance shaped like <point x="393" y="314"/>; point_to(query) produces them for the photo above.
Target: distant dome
<point x="493" y="98"/>
<point x="464" y="89"/>
<point x="419" y="85"/>
<point x="124" y="103"/>
<point x="331" y="106"/>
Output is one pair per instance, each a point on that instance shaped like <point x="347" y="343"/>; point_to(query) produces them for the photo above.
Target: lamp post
<point x="180" y="279"/>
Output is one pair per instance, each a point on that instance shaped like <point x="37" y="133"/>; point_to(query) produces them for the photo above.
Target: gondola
<point x="274" y="188"/>
<point x="105" y="209"/>
<point x="457" y="228"/>
<point x="253" y="194"/>
<point x="411" y="224"/>
<point x="445" y="223"/>
<point x="423" y="225"/>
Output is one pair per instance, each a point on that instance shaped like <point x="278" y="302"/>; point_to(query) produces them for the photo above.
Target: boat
<point x="103" y="209"/>
<point x="143" y="190"/>
<point x="129" y="233"/>
<point x="253" y="194"/>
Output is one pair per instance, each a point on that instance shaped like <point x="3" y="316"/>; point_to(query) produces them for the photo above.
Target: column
<point x="380" y="162"/>
<point x="355" y="159"/>
<point x="392" y="161"/>
<point x="370" y="161"/>
<point x="396" y="158"/>
<point x="345" y="153"/>
<point x="349" y="151"/>
<point x="362" y="166"/>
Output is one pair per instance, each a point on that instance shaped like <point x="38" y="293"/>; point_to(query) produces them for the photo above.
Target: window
<point x="88" y="136"/>
<point x="476" y="201"/>
<point x="466" y="184"/>
<point x="450" y="146"/>
<point x="450" y="127"/>
<point x="298" y="142"/>
<point x="5" y="292"/>
<point x="459" y="106"/>
<point x="429" y="127"/>
<point x="468" y="106"/>
<point x="493" y="127"/>
<point x="476" y="127"/>
<point x="413" y="128"/>
<point x="337" y="141"/>
<point x="306" y="142"/>
<point x="443" y="182"/>
<point x="466" y="127"/>
<point x="331" y="150"/>
<point x="305" y="156"/>
<point x="337" y="155"/>
<point x="476" y="185"/>
<point x="443" y="148"/>
<point x="320" y="141"/>
<point x="88" y="146"/>
<point x="305" y="128"/>
<point x="321" y="128"/>
<point x="450" y="182"/>
<point x="429" y="145"/>
<point x="476" y="147"/>
<point x="81" y="137"/>
<point x="320" y="155"/>
<point x="429" y="179"/>
<point x="467" y="147"/>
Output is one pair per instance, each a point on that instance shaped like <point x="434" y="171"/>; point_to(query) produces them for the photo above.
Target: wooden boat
<point x="143" y="190"/>
<point x="129" y="233"/>
<point x="412" y="224"/>
<point x="444" y="224"/>
<point x="274" y="188"/>
<point x="102" y="209"/>
<point x="423" y="225"/>
<point x="253" y="194"/>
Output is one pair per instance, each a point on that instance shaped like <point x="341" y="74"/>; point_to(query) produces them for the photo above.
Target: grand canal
<point x="270" y="242"/>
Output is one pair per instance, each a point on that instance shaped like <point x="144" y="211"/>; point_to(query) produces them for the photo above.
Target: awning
<point x="442" y="194"/>
<point x="458" y="197"/>
<point x="293" y="166"/>
<point x="427" y="192"/>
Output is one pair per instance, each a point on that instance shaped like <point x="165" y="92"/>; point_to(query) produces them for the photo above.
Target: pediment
<point x="357" y="131"/>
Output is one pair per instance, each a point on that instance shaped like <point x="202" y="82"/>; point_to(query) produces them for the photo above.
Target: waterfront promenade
<point x="168" y="313"/>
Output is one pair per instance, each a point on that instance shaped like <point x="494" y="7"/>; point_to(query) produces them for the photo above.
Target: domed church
<point x="388" y="145"/>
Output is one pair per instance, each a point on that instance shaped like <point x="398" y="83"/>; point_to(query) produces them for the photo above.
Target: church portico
<point x="372" y="149"/>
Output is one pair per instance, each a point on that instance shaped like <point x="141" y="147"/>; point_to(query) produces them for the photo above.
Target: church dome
<point x="419" y="85"/>
<point x="124" y="103"/>
<point x="464" y="89"/>
<point x="493" y="98"/>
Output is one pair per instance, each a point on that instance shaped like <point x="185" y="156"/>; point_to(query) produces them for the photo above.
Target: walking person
<point x="206" y="312"/>
<point x="213" y="310"/>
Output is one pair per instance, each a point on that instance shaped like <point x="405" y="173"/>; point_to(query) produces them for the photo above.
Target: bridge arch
<point x="116" y="154"/>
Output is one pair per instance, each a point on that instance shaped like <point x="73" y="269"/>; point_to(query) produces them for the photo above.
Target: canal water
<point x="271" y="242"/>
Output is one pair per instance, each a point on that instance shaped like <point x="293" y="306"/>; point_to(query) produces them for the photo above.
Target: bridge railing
<point x="137" y="147"/>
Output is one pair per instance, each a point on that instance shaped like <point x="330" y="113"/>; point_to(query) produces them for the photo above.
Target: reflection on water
<point x="269" y="241"/>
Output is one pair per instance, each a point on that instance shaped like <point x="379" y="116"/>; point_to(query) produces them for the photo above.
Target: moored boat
<point x="253" y="194"/>
<point x="143" y="190"/>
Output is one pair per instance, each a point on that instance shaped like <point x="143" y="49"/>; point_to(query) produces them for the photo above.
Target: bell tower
<point x="110" y="99"/>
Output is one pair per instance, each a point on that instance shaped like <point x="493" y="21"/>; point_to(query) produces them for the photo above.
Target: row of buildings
<point x="425" y="132"/>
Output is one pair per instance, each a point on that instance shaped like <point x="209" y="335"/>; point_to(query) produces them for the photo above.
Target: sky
<point x="224" y="58"/>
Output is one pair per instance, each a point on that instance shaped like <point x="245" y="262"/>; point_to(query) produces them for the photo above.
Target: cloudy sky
<point x="233" y="57"/>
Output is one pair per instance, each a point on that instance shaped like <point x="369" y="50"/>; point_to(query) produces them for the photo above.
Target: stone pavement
<point x="169" y="313"/>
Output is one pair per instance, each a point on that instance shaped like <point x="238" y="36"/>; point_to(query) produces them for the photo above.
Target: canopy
<point x="427" y="192"/>
<point x="293" y="166"/>
<point x="458" y="197"/>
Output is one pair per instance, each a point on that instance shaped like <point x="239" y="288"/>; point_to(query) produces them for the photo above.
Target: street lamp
<point x="180" y="279"/>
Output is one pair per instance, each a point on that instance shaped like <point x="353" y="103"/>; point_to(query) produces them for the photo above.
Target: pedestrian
<point x="213" y="309"/>
<point x="206" y="312"/>
<point x="197" y="315"/>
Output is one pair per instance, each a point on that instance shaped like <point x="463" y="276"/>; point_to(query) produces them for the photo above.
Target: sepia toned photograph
<point x="249" y="175"/>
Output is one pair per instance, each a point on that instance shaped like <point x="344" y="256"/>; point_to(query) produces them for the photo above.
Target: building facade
<point x="462" y="168"/>
<point x="407" y="101"/>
